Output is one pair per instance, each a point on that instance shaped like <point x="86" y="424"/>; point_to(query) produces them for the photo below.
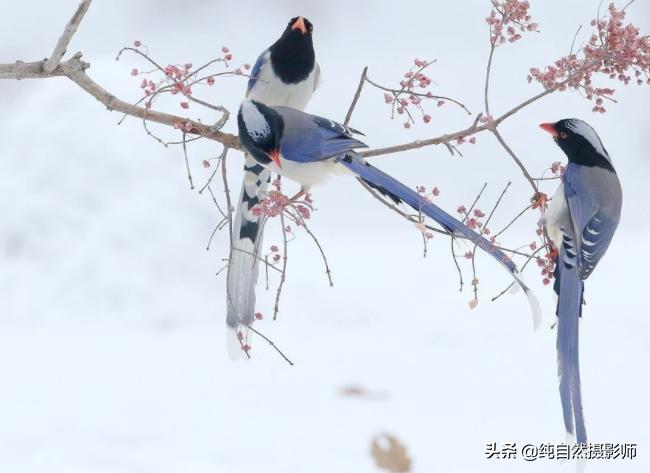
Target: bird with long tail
<point x="308" y="149"/>
<point x="581" y="222"/>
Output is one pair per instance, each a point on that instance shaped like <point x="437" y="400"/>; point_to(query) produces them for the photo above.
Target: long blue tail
<point x="569" y="287"/>
<point x="398" y="192"/>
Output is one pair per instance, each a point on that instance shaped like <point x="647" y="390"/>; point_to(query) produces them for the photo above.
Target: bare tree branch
<point x="75" y="70"/>
<point x="64" y="40"/>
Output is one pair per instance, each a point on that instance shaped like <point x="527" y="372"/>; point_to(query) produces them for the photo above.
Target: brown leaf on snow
<point x="389" y="454"/>
<point x="356" y="391"/>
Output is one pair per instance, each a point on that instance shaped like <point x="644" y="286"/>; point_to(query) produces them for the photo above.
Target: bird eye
<point x="563" y="135"/>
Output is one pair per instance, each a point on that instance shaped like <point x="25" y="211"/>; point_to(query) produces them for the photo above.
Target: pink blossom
<point x="185" y="105"/>
<point x="259" y="316"/>
<point x="615" y="50"/>
<point x="137" y="43"/>
<point x="304" y="211"/>
<point x="134" y="72"/>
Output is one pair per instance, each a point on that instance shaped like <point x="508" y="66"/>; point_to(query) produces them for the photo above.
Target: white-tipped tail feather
<point x="246" y="239"/>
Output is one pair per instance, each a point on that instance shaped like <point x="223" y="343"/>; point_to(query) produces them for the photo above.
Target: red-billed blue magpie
<point x="285" y="74"/>
<point x="581" y="221"/>
<point x="307" y="149"/>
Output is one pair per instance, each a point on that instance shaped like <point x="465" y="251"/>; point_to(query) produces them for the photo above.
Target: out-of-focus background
<point x="112" y="355"/>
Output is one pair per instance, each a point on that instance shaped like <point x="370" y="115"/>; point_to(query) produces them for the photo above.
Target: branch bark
<point x="75" y="70"/>
<point x="64" y="40"/>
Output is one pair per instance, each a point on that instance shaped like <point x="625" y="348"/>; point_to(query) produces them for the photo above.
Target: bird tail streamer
<point x="243" y="267"/>
<point x="569" y="287"/>
<point x="398" y="192"/>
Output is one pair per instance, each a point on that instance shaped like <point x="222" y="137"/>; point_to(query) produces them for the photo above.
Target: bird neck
<point x="292" y="57"/>
<point x="590" y="158"/>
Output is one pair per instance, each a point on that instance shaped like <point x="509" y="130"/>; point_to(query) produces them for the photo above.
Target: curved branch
<point x="75" y="70"/>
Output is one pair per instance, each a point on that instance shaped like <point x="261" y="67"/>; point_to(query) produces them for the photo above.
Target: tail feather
<point x="398" y="192"/>
<point x="569" y="287"/>
<point x="247" y="239"/>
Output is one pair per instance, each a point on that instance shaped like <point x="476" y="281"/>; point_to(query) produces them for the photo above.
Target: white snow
<point x="112" y="353"/>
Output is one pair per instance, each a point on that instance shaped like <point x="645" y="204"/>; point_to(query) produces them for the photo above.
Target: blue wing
<point x="307" y="138"/>
<point x="593" y="225"/>
<point x="257" y="69"/>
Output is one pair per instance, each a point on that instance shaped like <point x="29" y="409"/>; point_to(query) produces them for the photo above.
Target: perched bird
<point x="581" y="221"/>
<point x="285" y="74"/>
<point x="307" y="149"/>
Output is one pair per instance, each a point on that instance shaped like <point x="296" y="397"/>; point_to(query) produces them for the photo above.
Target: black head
<point x="292" y="55"/>
<point x="260" y="131"/>
<point x="579" y="142"/>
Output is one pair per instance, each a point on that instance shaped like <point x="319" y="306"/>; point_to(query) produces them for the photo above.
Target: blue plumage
<point x="303" y="146"/>
<point x="395" y="188"/>
<point x="581" y="221"/>
<point x="256" y="70"/>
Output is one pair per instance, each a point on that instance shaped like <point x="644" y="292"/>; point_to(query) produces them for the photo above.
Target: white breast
<point x="557" y="216"/>
<point x="309" y="174"/>
<point x="271" y="91"/>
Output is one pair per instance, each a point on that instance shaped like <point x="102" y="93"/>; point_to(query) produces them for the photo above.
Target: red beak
<point x="549" y="127"/>
<point x="275" y="157"/>
<point x="299" y="24"/>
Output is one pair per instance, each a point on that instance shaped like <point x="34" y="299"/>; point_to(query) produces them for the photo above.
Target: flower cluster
<point x="557" y="168"/>
<point x="435" y="192"/>
<point x="276" y="203"/>
<point x="179" y="79"/>
<point x="275" y="254"/>
<point x="472" y="219"/>
<point x="547" y="266"/>
<point x="508" y="20"/>
<point x="411" y="94"/>
<point x="271" y="206"/>
<point x="615" y="50"/>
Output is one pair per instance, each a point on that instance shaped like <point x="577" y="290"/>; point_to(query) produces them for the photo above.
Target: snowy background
<point x="112" y="355"/>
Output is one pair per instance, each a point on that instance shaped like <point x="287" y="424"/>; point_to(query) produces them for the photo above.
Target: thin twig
<point x="496" y="235"/>
<point x="397" y="92"/>
<point x="284" y="269"/>
<point x="357" y="94"/>
<point x="275" y="347"/>
<point x="187" y="163"/>
<point x="516" y="159"/>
